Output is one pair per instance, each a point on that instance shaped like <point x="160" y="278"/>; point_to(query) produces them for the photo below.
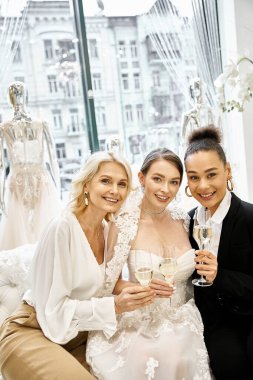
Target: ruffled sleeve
<point x="177" y="213"/>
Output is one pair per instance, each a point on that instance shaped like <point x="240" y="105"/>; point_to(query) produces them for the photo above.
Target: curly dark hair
<point x="205" y="139"/>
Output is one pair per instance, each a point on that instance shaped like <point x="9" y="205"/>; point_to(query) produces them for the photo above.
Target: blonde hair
<point x="88" y="170"/>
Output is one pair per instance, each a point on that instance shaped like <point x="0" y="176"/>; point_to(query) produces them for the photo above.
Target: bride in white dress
<point x="163" y="341"/>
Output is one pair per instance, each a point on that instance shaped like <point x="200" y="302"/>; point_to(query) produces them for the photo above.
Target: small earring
<point x="86" y="200"/>
<point x="230" y="185"/>
<point x="186" y="191"/>
<point x="142" y="189"/>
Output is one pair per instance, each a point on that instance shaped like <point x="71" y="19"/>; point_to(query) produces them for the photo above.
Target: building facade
<point x="136" y="98"/>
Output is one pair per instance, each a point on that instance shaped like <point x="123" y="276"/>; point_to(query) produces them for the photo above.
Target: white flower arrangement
<point x="234" y="88"/>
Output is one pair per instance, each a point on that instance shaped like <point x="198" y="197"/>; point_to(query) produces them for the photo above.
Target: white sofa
<point x="14" y="277"/>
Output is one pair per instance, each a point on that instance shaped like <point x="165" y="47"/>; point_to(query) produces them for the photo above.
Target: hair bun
<point x="211" y="132"/>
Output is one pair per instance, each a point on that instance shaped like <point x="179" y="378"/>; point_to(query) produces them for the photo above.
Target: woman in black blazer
<point x="227" y="305"/>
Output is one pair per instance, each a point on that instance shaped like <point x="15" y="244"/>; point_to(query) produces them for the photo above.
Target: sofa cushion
<point x="14" y="277"/>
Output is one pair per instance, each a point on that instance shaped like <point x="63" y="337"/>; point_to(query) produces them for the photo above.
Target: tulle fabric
<point x="31" y="202"/>
<point x="161" y="342"/>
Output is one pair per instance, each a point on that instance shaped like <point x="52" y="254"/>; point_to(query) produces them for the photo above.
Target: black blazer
<point x="231" y="295"/>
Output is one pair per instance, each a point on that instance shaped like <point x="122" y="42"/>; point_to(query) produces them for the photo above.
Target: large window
<point x="136" y="94"/>
<point x="43" y="52"/>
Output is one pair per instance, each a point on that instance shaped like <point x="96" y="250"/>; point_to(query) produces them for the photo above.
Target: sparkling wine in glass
<point x="143" y="267"/>
<point x="143" y="273"/>
<point x="168" y="265"/>
<point x="202" y="233"/>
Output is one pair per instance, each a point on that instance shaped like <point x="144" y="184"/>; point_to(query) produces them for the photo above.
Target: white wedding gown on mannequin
<point x="163" y="342"/>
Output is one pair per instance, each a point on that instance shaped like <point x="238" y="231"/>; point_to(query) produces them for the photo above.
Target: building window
<point x="79" y="153"/>
<point x="128" y="113"/>
<point x="74" y="120"/>
<point x="139" y="111"/>
<point x="60" y="151"/>
<point x="57" y="119"/>
<point x="70" y="89"/>
<point x="66" y="50"/>
<point x="48" y="49"/>
<point x="96" y="82"/>
<point x="19" y="79"/>
<point x="156" y="79"/>
<point x="123" y="65"/>
<point x="135" y="64"/>
<point x="122" y="49"/>
<point x="133" y="47"/>
<point x="101" y="116"/>
<point x="137" y="84"/>
<point x="125" y="82"/>
<point x="93" y="48"/>
<point x="17" y="52"/>
<point x="52" y="83"/>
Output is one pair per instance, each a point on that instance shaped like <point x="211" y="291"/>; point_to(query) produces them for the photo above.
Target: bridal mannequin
<point x="29" y="198"/>
<point x="201" y="114"/>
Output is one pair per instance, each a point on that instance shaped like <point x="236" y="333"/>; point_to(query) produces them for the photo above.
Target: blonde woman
<point x="45" y="338"/>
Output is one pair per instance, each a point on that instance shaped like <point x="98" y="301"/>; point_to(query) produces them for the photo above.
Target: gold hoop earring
<point x="230" y="185"/>
<point x="186" y="191"/>
<point x="86" y="200"/>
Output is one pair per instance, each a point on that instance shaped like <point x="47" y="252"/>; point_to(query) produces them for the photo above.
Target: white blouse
<point x="66" y="281"/>
<point x="217" y="220"/>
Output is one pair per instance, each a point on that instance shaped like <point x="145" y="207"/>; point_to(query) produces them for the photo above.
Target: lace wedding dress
<point x="29" y="198"/>
<point x="161" y="341"/>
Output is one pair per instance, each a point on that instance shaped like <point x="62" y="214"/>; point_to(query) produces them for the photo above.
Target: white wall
<point x="236" y="29"/>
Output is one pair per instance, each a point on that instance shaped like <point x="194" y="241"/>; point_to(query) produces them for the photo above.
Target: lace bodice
<point x="29" y="146"/>
<point x="185" y="267"/>
<point x="25" y="142"/>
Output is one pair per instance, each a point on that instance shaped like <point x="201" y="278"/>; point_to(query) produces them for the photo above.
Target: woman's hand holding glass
<point x="162" y="288"/>
<point x="202" y="233"/>
<point x="206" y="265"/>
<point x="132" y="298"/>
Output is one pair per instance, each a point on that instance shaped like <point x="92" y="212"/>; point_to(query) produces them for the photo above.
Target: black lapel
<point x="227" y="227"/>
<point x="192" y="240"/>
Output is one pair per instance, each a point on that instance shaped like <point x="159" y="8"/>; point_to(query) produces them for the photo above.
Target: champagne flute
<point x="143" y="273"/>
<point x="143" y="267"/>
<point x="202" y="233"/>
<point x="168" y="265"/>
